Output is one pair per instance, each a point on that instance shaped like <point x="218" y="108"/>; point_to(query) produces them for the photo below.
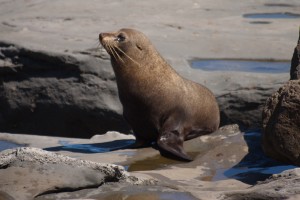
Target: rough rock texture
<point x="285" y="185"/>
<point x="281" y="118"/>
<point x="295" y="67"/>
<point x="53" y="82"/>
<point x="47" y="93"/>
<point x="76" y="96"/>
<point x="281" y="124"/>
<point x="30" y="172"/>
<point x="225" y="162"/>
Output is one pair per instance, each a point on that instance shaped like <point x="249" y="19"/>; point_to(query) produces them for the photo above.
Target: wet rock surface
<point x="226" y="163"/>
<point x="27" y="173"/>
<point x="54" y="80"/>
<point x="279" y="186"/>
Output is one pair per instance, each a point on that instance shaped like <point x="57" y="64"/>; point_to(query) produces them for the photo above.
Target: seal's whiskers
<point x="112" y="47"/>
<point x="127" y="56"/>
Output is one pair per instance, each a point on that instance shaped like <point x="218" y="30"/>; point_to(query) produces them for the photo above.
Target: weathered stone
<point x="30" y="172"/>
<point x="281" y="124"/>
<point x="47" y="55"/>
<point x="57" y="94"/>
<point x="279" y="186"/>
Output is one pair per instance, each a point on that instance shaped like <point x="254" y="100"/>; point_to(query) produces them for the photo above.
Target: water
<point x="92" y="148"/>
<point x="242" y="65"/>
<point x="8" y="145"/>
<point x="155" y="195"/>
<point x="255" y="166"/>
<point x="130" y="193"/>
<point x="279" y="15"/>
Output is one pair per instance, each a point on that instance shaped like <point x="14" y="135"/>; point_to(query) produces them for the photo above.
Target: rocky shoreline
<point x="227" y="164"/>
<point x="59" y="102"/>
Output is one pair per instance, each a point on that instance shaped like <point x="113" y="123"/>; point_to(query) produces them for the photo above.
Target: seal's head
<point x="127" y="46"/>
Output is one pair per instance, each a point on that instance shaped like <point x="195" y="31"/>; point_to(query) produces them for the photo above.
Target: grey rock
<point x="281" y="127"/>
<point x="55" y="84"/>
<point x="57" y="94"/>
<point x="279" y="186"/>
<point x="31" y="172"/>
<point x="75" y="95"/>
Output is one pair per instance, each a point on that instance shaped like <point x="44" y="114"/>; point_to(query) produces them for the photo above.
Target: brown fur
<point x="158" y="103"/>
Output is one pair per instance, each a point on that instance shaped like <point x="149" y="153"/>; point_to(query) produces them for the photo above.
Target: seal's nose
<point x="101" y="36"/>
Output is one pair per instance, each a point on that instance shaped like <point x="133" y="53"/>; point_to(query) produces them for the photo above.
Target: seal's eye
<point x="120" y="37"/>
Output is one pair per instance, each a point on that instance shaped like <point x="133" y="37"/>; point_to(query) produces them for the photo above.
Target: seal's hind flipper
<point x="171" y="145"/>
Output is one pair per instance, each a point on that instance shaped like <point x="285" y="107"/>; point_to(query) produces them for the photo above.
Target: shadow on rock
<point x="93" y="148"/>
<point x="255" y="166"/>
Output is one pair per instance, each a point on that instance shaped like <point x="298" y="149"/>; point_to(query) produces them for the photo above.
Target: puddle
<point x="156" y="162"/>
<point x="279" y="5"/>
<point x="279" y="15"/>
<point x="155" y="195"/>
<point x="92" y="148"/>
<point x="124" y="193"/>
<point x="8" y="145"/>
<point x="260" y="22"/>
<point x="242" y="65"/>
<point x="255" y="166"/>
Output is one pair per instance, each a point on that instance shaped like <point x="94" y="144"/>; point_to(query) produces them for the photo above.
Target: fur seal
<point x="159" y="105"/>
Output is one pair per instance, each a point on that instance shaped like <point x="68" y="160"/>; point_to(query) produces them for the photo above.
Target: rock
<point x="53" y="80"/>
<point x="57" y="94"/>
<point x="281" y="127"/>
<point x="227" y="160"/>
<point x="295" y="66"/>
<point x="285" y="185"/>
<point x="281" y="118"/>
<point x="76" y="95"/>
<point x="31" y="172"/>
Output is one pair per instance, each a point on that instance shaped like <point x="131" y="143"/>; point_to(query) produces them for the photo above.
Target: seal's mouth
<point x="106" y="40"/>
<point x="103" y="38"/>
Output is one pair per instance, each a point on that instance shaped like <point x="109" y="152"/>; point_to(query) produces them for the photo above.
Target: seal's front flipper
<point x="171" y="145"/>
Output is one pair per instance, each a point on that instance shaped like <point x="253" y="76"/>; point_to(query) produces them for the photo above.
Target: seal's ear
<point x="139" y="47"/>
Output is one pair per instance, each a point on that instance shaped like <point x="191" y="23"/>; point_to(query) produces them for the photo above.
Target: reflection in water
<point x="155" y="162"/>
<point x="279" y="15"/>
<point x="255" y="166"/>
<point x="242" y="65"/>
<point x="92" y="148"/>
<point x="146" y="195"/>
<point x="152" y="163"/>
<point x="8" y="145"/>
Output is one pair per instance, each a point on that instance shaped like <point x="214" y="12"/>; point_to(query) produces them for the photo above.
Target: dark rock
<point x="295" y="65"/>
<point x="243" y="106"/>
<point x="75" y="95"/>
<point x="281" y="124"/>
<point x="280" y="186"/>
<point x="30" y="172"/>
<point x="281" y="118"/>
<point x="47" y="93"/>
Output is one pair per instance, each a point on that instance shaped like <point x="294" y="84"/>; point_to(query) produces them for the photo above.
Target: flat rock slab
<point x="285" y="185"/>
<point x="30" y="172"/>
<point x="225" y="161"/>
